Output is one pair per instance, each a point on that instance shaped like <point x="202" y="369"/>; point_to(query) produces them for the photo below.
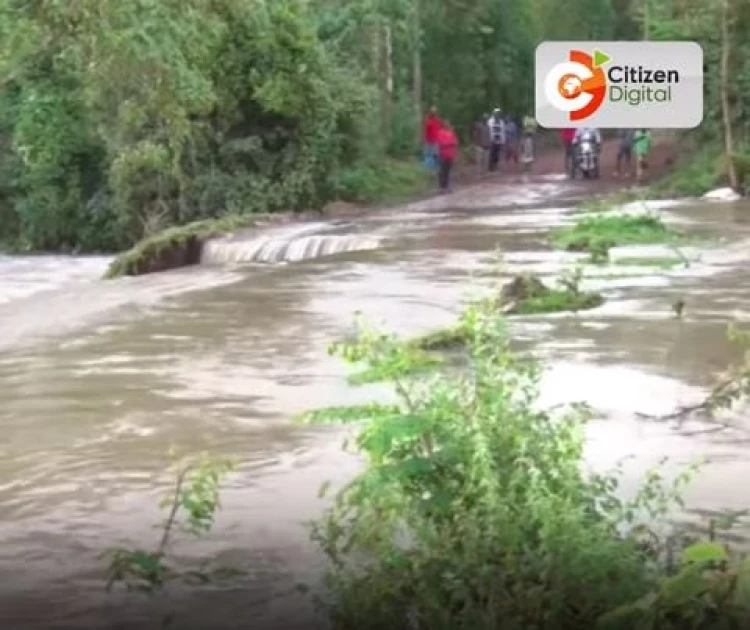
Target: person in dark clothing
<point x="447" y="143"/>
<point x="511" y="140"/>
<point x="625" y="152"/>
<point x="567" y="136"/>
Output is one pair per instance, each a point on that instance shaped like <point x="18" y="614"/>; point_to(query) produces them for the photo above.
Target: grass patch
<point x="528" y="295"/>
<point x="556" y="301"/>
<point x="598" y="233"/>
<point x="524" y="295"/>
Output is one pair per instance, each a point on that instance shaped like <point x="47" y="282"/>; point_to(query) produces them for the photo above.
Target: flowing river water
<point x="98" y="379"/>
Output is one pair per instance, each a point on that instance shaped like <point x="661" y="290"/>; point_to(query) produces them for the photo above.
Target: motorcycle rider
<point x="590" y="134"/>
<point x="587" y="134"/>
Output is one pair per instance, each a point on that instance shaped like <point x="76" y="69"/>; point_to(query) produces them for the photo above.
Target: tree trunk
<point x="417" y="68"/>
<point x="384" y="52"/>
<point x="646" y="20"/>
<point x="726" y="112"/>
<point x="388" y="74"/>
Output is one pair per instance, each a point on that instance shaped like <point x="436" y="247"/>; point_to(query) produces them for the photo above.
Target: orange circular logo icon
<point x="577" y="86"/>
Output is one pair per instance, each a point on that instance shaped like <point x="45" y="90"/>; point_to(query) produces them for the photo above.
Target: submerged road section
<point x="99" y="379"/>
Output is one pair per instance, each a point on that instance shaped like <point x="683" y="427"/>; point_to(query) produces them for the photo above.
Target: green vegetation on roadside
<point x="178" y="246"/>
<point x="388" y="181"/>
<point x="121" y="119"/>
<point x="696" y="173"/>
<point x="474" y="509"/>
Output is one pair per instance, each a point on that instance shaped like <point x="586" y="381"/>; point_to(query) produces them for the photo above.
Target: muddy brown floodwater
<point x="99" y="379"/>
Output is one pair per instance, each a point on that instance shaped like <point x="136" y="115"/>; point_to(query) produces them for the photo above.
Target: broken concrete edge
<point x="182" y="246"/>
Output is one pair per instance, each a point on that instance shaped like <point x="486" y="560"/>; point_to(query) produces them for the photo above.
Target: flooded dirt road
<point x="99" y="379"/>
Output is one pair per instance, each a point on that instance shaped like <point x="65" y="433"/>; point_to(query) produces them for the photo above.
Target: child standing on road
<point x="642" y="149"/>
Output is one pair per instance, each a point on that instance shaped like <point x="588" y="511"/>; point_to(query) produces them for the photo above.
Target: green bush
<point x="179" y="112"/>
<point x="382" y="181"/>
<point x="473" y="510"/>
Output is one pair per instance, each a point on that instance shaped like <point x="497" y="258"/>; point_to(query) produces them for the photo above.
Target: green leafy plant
<point x="191" y="507"/>
<point x="473" y="509"/>
<point x="709" y="591"/>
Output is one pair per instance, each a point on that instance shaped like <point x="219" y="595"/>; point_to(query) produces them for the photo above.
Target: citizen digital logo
<point x="619" y="84"/>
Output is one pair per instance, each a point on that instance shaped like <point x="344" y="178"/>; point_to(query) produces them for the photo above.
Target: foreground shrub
<point x="473" y="510"/>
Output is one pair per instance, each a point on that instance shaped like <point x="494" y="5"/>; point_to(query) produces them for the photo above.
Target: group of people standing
<point x="632" y="143"/>
<point x="496" y="138"/>
<point x="499" y="138"/>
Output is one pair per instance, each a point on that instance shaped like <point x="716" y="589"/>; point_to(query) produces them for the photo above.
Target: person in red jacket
<point x="447" y="142"/>
<point x="432" y="126"/>
<point x="567" y="136"/>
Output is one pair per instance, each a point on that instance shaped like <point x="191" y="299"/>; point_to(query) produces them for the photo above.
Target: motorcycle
<point x="586" y="160"/>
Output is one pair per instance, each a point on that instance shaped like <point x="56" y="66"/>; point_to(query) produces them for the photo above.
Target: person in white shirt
<point x="497" y="138"/>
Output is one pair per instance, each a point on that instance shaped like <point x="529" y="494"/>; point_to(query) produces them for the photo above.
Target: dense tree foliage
<point x="120" y="118"/>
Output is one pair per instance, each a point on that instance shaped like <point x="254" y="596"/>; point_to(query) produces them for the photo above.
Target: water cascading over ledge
<point x="293" y="245"/>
